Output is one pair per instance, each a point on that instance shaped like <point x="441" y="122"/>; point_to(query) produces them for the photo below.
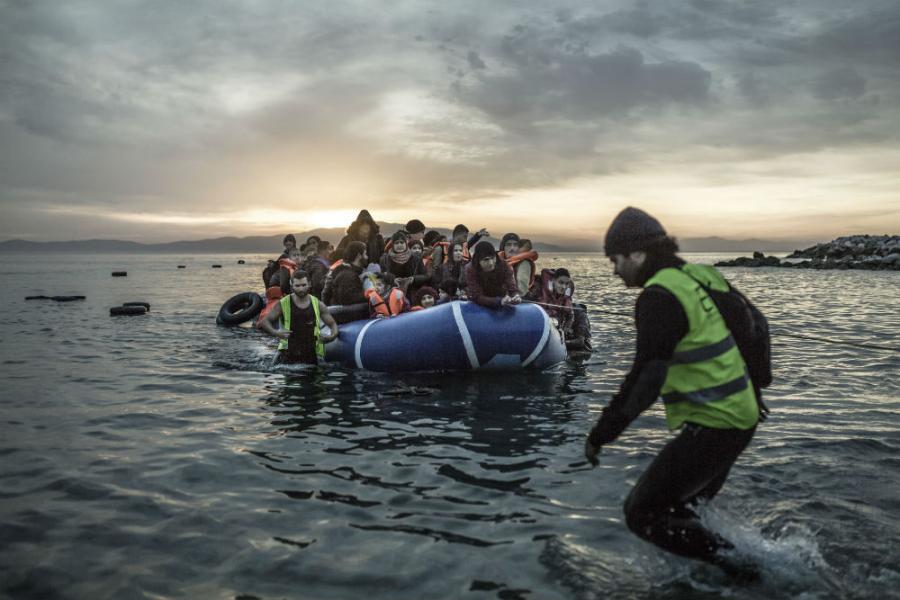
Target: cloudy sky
<point x="165" y="120"/>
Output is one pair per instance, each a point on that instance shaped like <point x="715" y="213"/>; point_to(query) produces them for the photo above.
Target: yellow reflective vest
<point x="317" y="326"/>
<point x="707" y="381"/>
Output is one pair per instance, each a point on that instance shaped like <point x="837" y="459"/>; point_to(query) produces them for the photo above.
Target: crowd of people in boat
<point x="417" y="268"/>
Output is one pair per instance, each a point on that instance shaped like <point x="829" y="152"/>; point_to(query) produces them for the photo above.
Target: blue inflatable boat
<point x="457" y="336"/>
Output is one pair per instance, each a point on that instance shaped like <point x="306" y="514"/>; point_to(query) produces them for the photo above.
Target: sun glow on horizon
<point x="327" y="219"/>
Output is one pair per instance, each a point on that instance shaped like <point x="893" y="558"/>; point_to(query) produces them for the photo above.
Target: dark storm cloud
<point x="838" y="83"/>
<point x="120" y="102"/>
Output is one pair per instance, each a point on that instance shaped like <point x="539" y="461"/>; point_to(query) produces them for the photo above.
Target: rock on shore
<point x="867" y="252"/>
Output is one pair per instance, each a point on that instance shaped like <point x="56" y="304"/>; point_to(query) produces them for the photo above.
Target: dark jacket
<point x="374" y="247"/>
<point x="445" y="272"/>
<point x="317" y="269"/>
<point x="414" y="268"/>
<point x="345" y="286"/>
<point x="488" y="289"/>
<point x="661" y="323"/>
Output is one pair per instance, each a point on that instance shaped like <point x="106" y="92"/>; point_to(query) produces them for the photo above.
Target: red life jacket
<point x="548" y="296"/>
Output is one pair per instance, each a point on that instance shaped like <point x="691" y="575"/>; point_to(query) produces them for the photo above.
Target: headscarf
<point x="401" y="258"/>
<point x="492" y="282"/>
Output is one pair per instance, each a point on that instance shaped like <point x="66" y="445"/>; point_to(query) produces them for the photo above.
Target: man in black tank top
<point x="301" y="335"/>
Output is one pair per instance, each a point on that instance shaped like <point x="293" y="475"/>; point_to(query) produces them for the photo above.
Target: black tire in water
<point x="144" y="304"/>
<point x="239" y="309"/>
<point x="120" y="273"/>
<point x="130" y="311"/>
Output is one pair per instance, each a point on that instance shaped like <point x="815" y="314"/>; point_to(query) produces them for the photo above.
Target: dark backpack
<point x="271" y="268"/>
<point x="750" y="330"/>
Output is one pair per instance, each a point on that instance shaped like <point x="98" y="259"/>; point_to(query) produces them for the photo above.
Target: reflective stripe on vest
<point x="317" y="324"/>
<point x="707" y="381"/>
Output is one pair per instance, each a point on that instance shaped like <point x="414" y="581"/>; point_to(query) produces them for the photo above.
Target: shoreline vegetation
<point x="861" y="252"/>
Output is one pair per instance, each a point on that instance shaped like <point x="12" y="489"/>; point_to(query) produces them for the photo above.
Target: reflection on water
<point x="164" y="456"/>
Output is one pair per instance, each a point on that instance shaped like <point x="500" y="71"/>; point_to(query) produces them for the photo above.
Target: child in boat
<point x="449" y="291"/>
<point x="386" y="300"/>
<point x="425" y="297"/>
<point x="300" y="316"/>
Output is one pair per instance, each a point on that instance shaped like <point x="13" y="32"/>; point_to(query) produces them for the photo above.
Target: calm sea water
<point x="163" y="457"/>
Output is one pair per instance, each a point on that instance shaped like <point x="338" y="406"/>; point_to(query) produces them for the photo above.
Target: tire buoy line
<point x="121" y="311"/>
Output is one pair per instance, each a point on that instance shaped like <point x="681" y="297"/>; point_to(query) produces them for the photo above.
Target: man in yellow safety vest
<point x="687" y="356"/>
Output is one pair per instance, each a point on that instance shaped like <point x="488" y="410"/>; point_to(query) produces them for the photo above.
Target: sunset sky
<point x="167" y="120"/>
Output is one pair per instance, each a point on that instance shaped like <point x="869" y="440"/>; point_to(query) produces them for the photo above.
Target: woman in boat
<point x="364" y="229"/>
<point x="489" y="281"/>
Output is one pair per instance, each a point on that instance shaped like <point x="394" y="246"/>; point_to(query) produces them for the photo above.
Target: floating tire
<point x="240" y="309"/>
<point x="144" y="304"/>
<point x="217" y="266"/>
<point x="120" y="273"/>
<point x="56" y="298"/>
<point x="182" y="267"/>
<point x="127" y="311"/>
<point x="242" y="262"/>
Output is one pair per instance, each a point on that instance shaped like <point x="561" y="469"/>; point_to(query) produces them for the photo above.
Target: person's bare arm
<point x="268" y="324"/>
<point x="328" y="320"/>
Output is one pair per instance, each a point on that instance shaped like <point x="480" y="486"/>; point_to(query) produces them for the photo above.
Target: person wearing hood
<point x="343" y="285"/>
<point x="364" y="229"/>
<point x="402" y="263"/>
<point x="489" y="280"/>
<point x="687" y="355"/>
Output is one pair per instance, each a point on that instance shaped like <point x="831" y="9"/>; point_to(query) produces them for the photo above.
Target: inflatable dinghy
<point x="456" y="336"/>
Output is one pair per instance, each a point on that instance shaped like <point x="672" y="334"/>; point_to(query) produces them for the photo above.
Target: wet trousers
<point x="690" y="468"/>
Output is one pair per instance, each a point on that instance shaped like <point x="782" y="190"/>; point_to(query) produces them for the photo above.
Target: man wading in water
<point x="301" y="316"/>
<point x="687" y="355"/>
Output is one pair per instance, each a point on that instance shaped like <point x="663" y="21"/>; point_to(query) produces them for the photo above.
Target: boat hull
<point x="456" y="336"/>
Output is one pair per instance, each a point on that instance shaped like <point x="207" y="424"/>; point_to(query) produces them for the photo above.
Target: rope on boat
<point x="798" y="336"/>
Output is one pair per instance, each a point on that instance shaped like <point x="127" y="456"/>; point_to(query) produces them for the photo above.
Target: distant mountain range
<point x="272" y="243"/>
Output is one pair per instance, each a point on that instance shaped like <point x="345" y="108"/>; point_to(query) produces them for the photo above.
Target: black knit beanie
<point x="415" y="226"/>
<point x="632" y="230"/>
<point x="400" y="234"/>
<point x="506" y="238"/>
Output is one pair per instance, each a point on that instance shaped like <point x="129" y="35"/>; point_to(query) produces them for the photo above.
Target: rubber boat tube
<point x="456" y="336"/>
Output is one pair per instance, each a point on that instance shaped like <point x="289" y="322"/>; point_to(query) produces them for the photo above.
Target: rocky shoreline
<point x="864" y="252"/>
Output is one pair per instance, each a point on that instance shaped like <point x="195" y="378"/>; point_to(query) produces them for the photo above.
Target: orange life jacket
<point x="273" y="296"/>
<point x="394" y="306"/>
<point x="287" y="264"/>
<point x="530" y="256"/>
